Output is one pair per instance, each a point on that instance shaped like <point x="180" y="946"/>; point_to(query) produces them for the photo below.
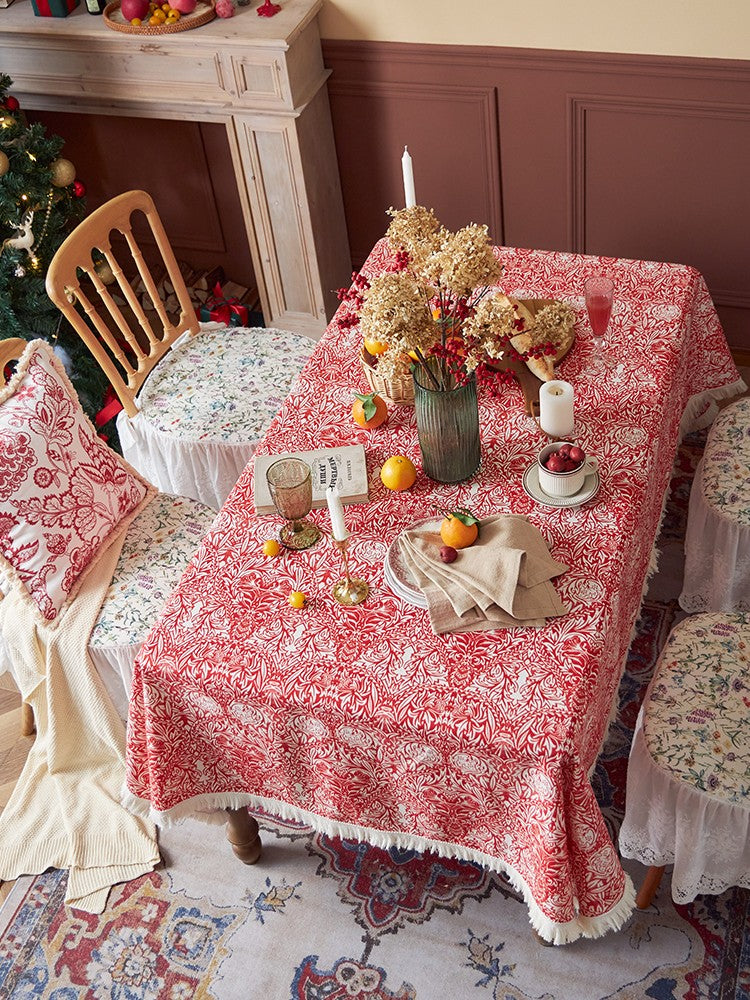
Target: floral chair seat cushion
<point x="225" y="383"/>
<point x="726" y="463"/>
<point x="697" y="716"/>
<point x="157" y="548"/>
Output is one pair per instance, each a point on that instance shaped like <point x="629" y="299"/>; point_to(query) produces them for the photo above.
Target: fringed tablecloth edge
<point x="209" y="808"/>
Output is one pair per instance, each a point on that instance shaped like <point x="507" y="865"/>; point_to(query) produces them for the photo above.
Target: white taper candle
<point x="556" y="416"/>
<point x="336" y="510"/>
<point x="410" y="198"/>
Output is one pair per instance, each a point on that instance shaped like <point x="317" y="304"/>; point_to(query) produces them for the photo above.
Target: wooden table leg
<point x="649" y="887"/>
<point x="243" y="835"/>
<point x="28" y="726"/>
<point x="540" y="940"/>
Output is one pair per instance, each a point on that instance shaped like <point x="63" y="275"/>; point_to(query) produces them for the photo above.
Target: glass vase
<point x="448" y="428"/>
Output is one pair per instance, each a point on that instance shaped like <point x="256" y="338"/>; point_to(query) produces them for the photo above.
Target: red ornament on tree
<point x="79" y="189"/>
<point x="12" y="104"/>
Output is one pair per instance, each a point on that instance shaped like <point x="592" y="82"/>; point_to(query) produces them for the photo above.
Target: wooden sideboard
<point x="263" y="79"/>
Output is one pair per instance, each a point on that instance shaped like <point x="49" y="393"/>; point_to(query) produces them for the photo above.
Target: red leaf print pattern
<point x="55" y="474"/>
<point x="481" y="743"/>
<point x="16" y="458"/>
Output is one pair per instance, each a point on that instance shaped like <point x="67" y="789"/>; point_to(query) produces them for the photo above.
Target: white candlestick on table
<point x="410" y="198"/>
<point x="336" y="510"/>
<point x="556" y="408"/>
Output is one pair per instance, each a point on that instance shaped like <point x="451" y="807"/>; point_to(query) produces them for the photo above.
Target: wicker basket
<point x="398" y="390"/>
<point x="203" y="13"/>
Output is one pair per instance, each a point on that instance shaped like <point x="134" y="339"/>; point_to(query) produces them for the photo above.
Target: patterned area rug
<point x="323" y="918"/>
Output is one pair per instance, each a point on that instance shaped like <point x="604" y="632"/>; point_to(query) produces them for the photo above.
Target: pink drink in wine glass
<point x="599" y="292"/>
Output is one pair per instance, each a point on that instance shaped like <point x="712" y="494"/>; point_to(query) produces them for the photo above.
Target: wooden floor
<point x="13" y="751"/>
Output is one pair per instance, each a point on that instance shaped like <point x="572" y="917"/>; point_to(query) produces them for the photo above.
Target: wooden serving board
<point x="530" y="384"/>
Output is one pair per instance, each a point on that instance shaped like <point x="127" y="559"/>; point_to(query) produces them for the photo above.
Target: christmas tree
<point x="41" y="202"/>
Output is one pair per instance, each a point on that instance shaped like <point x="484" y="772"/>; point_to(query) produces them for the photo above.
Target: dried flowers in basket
<point x="439" y="307"/>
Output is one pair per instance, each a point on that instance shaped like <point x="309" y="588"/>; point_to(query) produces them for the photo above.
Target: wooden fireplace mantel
<point x="263" y="78"/>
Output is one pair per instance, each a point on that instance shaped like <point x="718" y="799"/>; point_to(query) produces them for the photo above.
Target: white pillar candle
<point x="336" y="510"/>
<point x="410" y="198"/>
<point x="556" y="408"/>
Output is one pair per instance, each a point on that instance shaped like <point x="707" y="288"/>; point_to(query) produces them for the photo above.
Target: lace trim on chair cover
<point x="717" y="557"/>
<point x="667" y="822"/>
<point x="701" y="409"/>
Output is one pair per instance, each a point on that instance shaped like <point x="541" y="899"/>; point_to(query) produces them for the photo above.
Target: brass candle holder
<point x="350" y="590"/>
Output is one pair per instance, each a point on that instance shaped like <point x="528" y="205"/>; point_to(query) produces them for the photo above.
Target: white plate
<point x="397" y="574"/>
<point x="531" y="484"/>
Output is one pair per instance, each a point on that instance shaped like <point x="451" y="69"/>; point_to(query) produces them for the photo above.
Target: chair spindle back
<point x="126" y="348"/>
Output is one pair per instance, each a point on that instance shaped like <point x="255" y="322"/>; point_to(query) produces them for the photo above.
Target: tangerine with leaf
<point x="369" y="410"/>
<point x="459" y="528"/>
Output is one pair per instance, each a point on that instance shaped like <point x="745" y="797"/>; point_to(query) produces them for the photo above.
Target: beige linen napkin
<point x="503" y="580"/>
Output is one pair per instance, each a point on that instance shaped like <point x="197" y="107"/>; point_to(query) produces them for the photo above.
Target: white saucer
<point x="398" y="576"/>
<point x="531" y="484"/>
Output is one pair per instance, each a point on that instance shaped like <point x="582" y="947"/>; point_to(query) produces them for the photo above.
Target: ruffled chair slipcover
<point x="207" y="404"/>
<point x="688" y="784"/>
<point x="157" y="548"/>
<point x="717" y="540"/>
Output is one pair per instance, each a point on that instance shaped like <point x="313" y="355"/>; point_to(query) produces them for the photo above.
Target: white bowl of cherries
<point x="563" y="467"/>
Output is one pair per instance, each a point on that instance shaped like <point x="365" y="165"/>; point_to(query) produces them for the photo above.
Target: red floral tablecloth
<point x="364" y="722"/>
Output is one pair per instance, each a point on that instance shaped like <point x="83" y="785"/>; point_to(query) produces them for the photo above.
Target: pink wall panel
<point x="185" y="166"/>
<point x="462" y="184"/>
<point x="637" y="156"/>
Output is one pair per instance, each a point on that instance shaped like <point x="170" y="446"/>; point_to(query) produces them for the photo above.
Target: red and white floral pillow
<point x="64" y="495"/>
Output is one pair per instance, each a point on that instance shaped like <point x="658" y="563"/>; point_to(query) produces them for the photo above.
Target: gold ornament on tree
<point x="104" y="272"/>
<point x="63" y="172"/>
<point x="4" y="164"/>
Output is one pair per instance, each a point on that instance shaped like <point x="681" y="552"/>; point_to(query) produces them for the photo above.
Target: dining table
<point x="362" y="721"/>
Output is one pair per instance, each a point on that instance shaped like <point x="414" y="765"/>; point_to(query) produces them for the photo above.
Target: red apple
<point x="448" y="554"/>
<point x="131" y="9"/>
<point x="577" y="455"/>
<point x="555" y="463"/>
<point x="564" y="450"/>
<point x="184" y="6"/>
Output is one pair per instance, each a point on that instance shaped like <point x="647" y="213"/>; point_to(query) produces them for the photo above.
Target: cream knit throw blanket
<point x="65" y="810"/>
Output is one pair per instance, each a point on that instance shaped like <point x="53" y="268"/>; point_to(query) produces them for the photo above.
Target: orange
<point x="459" y="528"/>
<point x="375" y="347"/>
<point x="369" y="411"/>
<point x="297" y="599"/>
<point x="398" y="473"/>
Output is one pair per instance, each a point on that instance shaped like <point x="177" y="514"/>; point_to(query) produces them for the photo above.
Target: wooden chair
<point x="688" y="785"/>
<point x="195" y="401"/>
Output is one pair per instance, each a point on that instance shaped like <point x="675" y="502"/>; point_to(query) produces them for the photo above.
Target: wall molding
<point x="579" y="105"/>
<point x="485" y="99"/>
<point x="540" y="155"/>
<point x="409" y="54"/>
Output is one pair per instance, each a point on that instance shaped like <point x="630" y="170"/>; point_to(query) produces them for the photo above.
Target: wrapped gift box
<point x="220" y="309"/>
<point x="53" y="8"/>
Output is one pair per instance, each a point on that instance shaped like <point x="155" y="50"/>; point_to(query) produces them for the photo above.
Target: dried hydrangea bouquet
<point x="439" y="313"/>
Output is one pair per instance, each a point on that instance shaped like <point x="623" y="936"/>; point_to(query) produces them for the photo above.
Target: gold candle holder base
<point x="350" y="590"/>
